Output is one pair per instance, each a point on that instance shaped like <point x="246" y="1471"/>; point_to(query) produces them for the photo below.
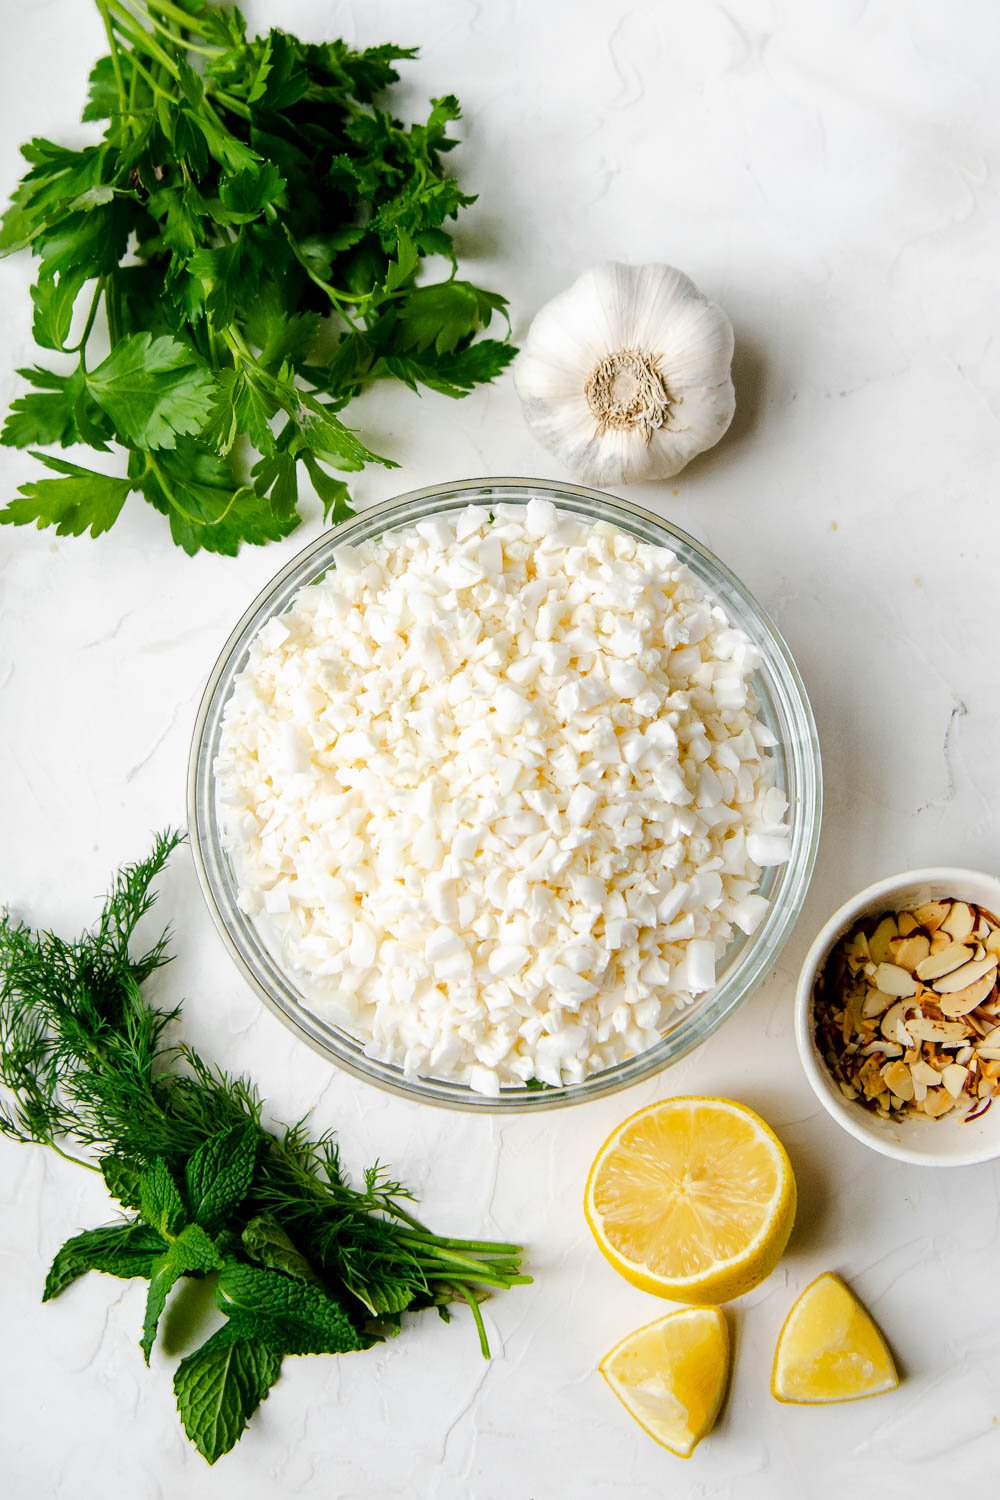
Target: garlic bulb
<point x="625" y="376"/>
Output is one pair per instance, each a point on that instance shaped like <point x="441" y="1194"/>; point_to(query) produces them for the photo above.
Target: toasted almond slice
<point x="959" y="921"/>
<point x="965" y="1056"/>
<point x="942" y="962"/>
<point x="940" y="941"/>
<point x="897" y="1077"/>
<point x="954" y="1079"/>
<point x="932" y="914"/>
<point x="922" y="1072"/>
<point x="960" y="979"/>
<point x="991" y="1039"/>
<point x="992" y="940"/>
<point x="910" y="951"/>
<point x="893" y="1025"/>
<point x="938" y="1102"/>
<point x="892" y="980"/>
<point x="961" y="1002"/>
<point x="882" y="1049"/>
<point x="878" y="943"/>
<point x="944" y="1033"/>
<point x="907" y="923"/>
<point x="876" y="1004"/>
<point x="988" y="1054"/>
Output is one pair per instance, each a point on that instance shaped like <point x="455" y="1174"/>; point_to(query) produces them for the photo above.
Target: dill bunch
<point x="304" y="1261"/>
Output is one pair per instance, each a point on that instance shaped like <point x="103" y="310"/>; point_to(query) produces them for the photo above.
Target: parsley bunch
<point x="303" y="1262"/>
<point x="254" y="229"/>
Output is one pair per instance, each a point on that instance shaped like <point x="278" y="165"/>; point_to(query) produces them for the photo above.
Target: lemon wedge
<point x="692" y="1199"/>
<point x="671" y="1376"/>
<point x="830" y="1349"/>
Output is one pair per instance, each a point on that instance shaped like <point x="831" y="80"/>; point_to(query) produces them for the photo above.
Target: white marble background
<point x="827" y="169"/>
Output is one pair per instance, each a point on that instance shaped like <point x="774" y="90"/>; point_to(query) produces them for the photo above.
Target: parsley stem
<point x="77" y="348"/>
<point x="179" y="41"/>
<point x="113" y="49"/>
<point x="129" y="24"/>
<point x="188" y="22"/>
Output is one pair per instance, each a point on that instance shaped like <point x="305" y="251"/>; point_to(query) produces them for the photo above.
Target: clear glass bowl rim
<point x="802" y="776"/>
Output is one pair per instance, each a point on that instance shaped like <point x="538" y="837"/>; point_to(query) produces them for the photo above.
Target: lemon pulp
<point x="671" y="1376"/>
<point x="830" y="1348"/>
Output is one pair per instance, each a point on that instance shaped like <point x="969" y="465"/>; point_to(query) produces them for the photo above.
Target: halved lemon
<point x="830" y="1348"/>
<point x="692" y="1199"/>
<point x="671" y="1376"/>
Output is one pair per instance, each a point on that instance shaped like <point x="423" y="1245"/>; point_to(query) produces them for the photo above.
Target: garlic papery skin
<point x="625" y="376"/>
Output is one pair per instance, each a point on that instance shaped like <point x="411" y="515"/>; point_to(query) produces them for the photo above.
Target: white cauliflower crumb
<point x="498" y="786"/>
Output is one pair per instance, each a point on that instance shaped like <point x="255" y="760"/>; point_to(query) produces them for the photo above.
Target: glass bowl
<point x="784" y="707"/>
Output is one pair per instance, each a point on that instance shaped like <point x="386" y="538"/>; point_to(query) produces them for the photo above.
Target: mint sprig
<point x="303" y="1262"/>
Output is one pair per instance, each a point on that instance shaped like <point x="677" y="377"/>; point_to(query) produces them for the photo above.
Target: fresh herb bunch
<point x="304" y="1262"/>
<point x="253" y="227"/>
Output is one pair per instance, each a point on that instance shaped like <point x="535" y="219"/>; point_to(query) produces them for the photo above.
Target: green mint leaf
<point x="160" y="1199"/>
<point x="83" y="500"/>
<point x="290" y="1316"/>
<point x="220" y="1386"/>
<point x="219" y="1174"/>
<point x="117" y="1249"/>
<point x="266" y="1242"/>
<point x="192" y="1251"/>
<point x="154" y="390"/>
<point x="123" y="1179"/>
<point x="54" y="299"/>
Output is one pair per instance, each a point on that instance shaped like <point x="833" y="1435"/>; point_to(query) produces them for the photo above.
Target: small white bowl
<point x="948" y="1141"/>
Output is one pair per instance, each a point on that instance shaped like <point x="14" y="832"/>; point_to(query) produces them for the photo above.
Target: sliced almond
<point x="938" y="1102"/>
<point x="959" y="922"/>
<point x="988" y="1054"/>
<point x="991" y="1039"/>
<point x="882" y="1049"/>
<point x="992" y="940"/>
<point x="910" y="951"/>
<point x="876" y="1004"/>
<point x="944" y="1033"/>
<point x="961" y="1002"/>
<point x="878" y="943"/>
<point x="907" y="923"/>
<point x="922" y="1072"/>
<point x="932" y="914"/>
<point x="961" y="978"/>
<point x="892" y="980"/>
<point x="954" y="1079"/>
<point x="943" y="961"/>
<point x="897" y="1077"/>
<point x="892" y="1025"/>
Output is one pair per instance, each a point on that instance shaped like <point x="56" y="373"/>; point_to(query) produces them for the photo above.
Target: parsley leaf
<point x="220" y="1386"/>
<point x="256" y="234"/>
<point x="154" y="390"/>
<point x="83" y="500"/>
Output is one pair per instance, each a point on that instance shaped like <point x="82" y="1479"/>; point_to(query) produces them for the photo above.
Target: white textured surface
<point x="829" y="173"/>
